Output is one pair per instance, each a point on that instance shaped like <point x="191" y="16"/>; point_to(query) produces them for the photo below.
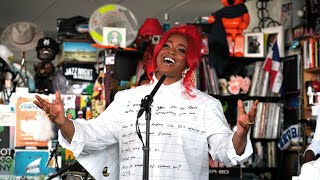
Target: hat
<point x="48" y="42"/>
<point x="21" y="36"/>
<point x="6" y="55"/>
<point x="150" y="27"/>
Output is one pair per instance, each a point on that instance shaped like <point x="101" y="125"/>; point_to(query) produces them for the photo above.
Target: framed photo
<point x="270" y="35"/>
<point x="253" y="45"/>
<point x="113" y="36"/>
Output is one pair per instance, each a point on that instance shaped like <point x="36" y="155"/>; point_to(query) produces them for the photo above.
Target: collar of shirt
<point x="176" y="88"/>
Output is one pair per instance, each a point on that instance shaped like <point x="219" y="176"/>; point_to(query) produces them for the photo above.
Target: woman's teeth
<point x="169" y="60"/>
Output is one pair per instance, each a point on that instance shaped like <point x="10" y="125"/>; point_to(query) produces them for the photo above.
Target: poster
<point x="6" y="150"/>
<point x="33" y="128"/>
<point x="113" y="36"/>
<point x="32" y="163"/>
<point x="75" y="106"/>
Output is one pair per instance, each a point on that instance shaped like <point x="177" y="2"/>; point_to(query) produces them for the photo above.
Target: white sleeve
<point x="95" y="134"/>
<point x="220" y="137"/>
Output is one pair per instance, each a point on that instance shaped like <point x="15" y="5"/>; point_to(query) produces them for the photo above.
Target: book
<point x="7" y="150"/>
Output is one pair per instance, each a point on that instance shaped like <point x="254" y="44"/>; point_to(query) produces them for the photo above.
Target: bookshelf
<point x="265" y="144"/>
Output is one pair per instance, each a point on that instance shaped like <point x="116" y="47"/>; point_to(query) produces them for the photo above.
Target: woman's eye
<point x="166" y="45"/>
<point x="183" y="51"/>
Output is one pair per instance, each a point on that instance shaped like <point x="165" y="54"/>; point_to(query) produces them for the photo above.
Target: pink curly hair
<point x="193" y="57"/>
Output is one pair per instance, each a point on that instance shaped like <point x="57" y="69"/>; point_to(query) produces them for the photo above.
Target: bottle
<point x="88" y="113"/>
<point x="166" y="24"/>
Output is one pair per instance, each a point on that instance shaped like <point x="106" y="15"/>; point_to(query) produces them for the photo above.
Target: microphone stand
<point x="146" y="106"/>
<point x="146" y="147"/>
<point x="62" y="170"/>
<point x="54" y="155"/>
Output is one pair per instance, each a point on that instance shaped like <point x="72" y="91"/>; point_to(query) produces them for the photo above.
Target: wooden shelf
<point x="288" y="93"/>
<point x="313" y="70"/>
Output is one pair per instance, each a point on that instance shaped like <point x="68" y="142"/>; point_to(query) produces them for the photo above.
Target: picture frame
<point x="113" y="36"/>
<point x="269" y="33"/>
<point x="254" y="44"/>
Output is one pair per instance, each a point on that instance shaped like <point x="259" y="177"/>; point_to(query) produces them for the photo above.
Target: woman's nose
<point x="171" y="51"/>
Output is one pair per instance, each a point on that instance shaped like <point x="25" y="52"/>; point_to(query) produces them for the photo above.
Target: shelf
<point x="246" y="97"/>
<point x="295" y="149"/>
<point x="313" y="70"/>
<point x="307" y="108"/>
<point x="288" y="93"/>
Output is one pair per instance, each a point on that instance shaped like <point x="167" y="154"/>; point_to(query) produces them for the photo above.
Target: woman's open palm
<point x="54" y="110"/>
<point x="246" y="120"/>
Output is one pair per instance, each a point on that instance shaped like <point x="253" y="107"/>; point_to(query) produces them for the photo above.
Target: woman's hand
<point x="245" y="120"/>
<point x="55" y="110"/>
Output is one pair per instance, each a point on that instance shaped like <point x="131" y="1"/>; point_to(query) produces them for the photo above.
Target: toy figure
<point x="225" y="38"/>
<point x="149" y="35"/>
<point x="235" y="18"/>
<point x="6" y="74"/>
<point x="47" y="49"/>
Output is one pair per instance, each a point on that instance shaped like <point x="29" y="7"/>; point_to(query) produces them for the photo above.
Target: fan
<point x="113" y="15"/>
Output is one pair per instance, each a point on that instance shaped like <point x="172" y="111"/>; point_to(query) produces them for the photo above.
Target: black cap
<point x="47" y="42"/>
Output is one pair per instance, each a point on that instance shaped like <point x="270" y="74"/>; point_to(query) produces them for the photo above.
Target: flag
<point x="273" y="66"/>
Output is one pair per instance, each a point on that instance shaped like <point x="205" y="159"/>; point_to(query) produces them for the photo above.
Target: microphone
<point x="149" y="98"/>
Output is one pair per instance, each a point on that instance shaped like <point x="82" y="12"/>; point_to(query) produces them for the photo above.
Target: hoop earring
<point x="155" y="71"/>
<point x="185" y="72"/>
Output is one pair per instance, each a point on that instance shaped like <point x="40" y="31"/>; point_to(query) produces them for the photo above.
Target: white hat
<point x="6" y="55"/>
<point x="21" y="36"/>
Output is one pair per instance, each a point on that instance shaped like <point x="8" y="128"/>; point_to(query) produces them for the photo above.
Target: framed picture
<point x="253" y="45"/>
<point x="270" y="35"/>
<point x="113" y="36"/>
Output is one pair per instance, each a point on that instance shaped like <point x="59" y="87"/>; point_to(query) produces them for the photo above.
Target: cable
<point x="44" y="11"/>
<point x="264" y="16"/>
<point x="139" y="132"/>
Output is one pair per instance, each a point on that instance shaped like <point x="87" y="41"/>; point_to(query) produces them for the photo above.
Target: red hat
<point x="150" y="27"/>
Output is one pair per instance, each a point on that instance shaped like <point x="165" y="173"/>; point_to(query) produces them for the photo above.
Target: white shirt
<point x="315" y="143"/>
<point x="183" y="130"/>
<point x="310" y="170"/>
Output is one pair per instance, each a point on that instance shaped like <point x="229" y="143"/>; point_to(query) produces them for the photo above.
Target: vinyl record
<point x="113" y="15"/>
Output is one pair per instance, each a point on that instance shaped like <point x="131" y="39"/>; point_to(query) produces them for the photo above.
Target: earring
<point x="185" y="72"/>
<point x="156" y="70"/>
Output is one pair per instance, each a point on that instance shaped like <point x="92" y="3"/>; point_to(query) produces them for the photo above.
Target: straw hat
<point x="21" y="36"/>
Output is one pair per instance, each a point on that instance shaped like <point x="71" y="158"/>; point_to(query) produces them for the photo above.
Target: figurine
<point x="47" y="49"/>
<point x="223" y="85"/>
<point x="235" y="18"/>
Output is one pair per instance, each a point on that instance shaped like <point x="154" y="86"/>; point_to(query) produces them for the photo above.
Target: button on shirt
<point x="183" y="130"/>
